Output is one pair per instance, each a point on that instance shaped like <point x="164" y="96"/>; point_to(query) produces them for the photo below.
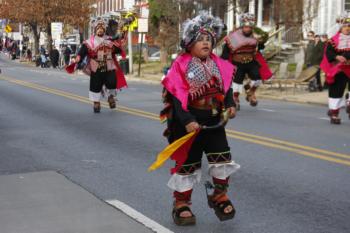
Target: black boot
<point x="97" y="107"/>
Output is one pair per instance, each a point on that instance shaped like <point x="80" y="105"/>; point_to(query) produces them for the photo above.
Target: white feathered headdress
<point x="343" y="19"/>
<point x="98" y="23"/>
<point x="203" y="23"/>
<point x="247" y="19"/>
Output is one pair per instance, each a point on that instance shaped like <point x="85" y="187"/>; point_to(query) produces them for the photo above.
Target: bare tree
<point x="39" y="14"/>
<point x="310" y="12"/>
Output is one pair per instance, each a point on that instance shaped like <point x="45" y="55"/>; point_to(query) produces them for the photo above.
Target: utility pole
<point x="130" y="51"/>
<point x="20" y="41"/>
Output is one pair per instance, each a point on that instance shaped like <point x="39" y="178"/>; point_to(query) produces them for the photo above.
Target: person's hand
<point x="191" y="127"/>
<point x="341" y="59"/>
<point x="231" y="112"/>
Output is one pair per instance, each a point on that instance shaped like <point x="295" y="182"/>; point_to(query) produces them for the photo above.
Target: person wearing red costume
<point x="242" y="49"/>
<point x="336" y="65"/>
<point x="101" y="64"/>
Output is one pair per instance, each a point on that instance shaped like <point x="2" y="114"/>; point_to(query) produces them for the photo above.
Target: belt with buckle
<point x="243" y="58"/>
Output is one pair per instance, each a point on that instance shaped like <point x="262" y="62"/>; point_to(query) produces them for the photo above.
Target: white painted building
<point x="328" y="11"/>
<point x="261" y="8"/>
<point x="107" y="6"/>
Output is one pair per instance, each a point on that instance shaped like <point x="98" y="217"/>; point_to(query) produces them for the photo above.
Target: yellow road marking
<point x="260" y="140"/>
<point x="285" y="148"/>
<point x="331" y="153"/>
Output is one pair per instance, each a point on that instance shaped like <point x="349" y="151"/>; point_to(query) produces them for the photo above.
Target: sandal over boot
<point x="111" y="102"/>
<point x="179" y="208"/>
<point x="219" y="201"/>
<point x="334" y="117"/>
<point x="182" y="204"/>
<point x="97" y="107"/>
<point x="251" y="98"/>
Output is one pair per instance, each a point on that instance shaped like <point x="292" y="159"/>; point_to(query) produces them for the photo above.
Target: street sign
<point x="17" y="36"/>
<point x="8" y="28"/>
<point x="142" y="25"/>
<point x="56" y="30"/>
<point x="133" y="25"/>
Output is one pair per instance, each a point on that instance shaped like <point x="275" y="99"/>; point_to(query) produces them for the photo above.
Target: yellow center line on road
<point x="260" y="140"/>
<point x="73" y="96"/>
<point x="290" y="144"/>
<point x="290" y="149"/>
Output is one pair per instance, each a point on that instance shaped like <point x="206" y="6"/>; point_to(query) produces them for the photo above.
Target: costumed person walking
<point x="336" y="65"/>
<point x="198" y="101"/>
<point x="102" y="65"/>
<point x="242" y="49"/>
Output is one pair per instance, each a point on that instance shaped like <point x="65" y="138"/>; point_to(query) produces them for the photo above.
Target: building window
<point x="347" y="5"/>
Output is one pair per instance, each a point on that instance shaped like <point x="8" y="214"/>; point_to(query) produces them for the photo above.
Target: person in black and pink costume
<point x="336" y="65"/>
<point x="197" y="92"/>
<point x="102" y="65"/>
<point x="242" y="49"/>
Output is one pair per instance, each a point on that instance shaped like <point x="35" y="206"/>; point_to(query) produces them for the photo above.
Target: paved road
<point x="295" y="165"/>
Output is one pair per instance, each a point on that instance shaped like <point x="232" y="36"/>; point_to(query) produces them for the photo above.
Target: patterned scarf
<point x="199" y="74"/>
<point x="344" y="41"/>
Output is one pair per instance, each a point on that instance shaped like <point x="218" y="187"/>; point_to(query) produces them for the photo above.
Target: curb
<point x="293" y="101"/>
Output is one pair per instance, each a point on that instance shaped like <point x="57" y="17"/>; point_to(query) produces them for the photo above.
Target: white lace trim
<point x="112" y="92"/>
<point x="256" y="83"/>
<point x="335" y="103"/>
<point x="95" y="96"/>
<point x="183" y="183"/>
<point x="237" y="88"/>
<point x="224" y="170"/>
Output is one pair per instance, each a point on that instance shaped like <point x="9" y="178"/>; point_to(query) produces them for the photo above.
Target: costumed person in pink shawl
<point x="197" y="91"/>
<point x="242" y="49"/>
<point x="336" y="65"/>
<point x="101" y="64"/>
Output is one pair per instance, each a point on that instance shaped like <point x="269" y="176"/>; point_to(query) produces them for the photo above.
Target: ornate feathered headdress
<point x="99" y="23"/>
<point x="247" y="19"/>
<point x="203" y="23"/>
<point x="343" y="19"/>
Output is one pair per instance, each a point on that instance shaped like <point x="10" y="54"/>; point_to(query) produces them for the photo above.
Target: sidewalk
<point x="47" y="202"/>
<point x="315" y="98"/>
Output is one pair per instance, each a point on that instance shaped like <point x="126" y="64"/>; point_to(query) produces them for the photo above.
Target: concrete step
<point x="280" y="58"/>
<point x="296" y="44"/>
<point x="273" y="62"/>
<point x="287" y="53"/>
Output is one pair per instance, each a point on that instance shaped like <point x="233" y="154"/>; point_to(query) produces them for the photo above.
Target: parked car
<point x="154" y="57"/>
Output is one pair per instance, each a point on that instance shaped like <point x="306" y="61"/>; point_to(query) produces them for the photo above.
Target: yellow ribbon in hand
<point x="169" y="150"/>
